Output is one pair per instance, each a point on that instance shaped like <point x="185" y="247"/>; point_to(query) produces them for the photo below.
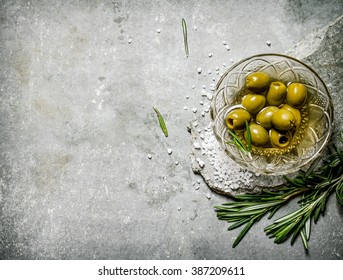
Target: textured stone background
<point x="77" y="123"/>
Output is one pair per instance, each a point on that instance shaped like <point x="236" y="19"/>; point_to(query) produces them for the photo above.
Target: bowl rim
<point x="331" y="117"/>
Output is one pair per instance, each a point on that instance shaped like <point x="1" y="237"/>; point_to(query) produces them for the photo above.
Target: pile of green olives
<point x="272" y="110"/>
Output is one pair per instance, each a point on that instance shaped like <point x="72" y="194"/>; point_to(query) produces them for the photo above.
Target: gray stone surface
<point x="78" y="80"/>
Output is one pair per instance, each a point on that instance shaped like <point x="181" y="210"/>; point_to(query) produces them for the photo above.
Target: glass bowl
<point x="314" y="133"/>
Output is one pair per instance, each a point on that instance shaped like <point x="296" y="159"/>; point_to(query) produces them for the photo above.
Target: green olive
<point x="276" y="93"/>
<point x="257" y="82"/>
<point x="295" y="112"/>
<point x="259" y="135"/>
<point x="264" y="117"/>
<point x="280" y="139"/>
<point x="296" y="95"/>
<point x="253" y="103"/>
<point x="283" y="119"/>
<point x="236" y="118"/>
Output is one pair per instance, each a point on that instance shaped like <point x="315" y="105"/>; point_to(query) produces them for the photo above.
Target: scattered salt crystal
<point x="210" y="55"/>
<point x="202" y="136"/>
<point x="227" y="48"/>
<point x="203" y="113"/>
<point x="149" y="156"/>
<point x="195" y="124"/>
<point x="201" y="102"/>
<point x="203" y="86"/>
<point x="179" y="209"/>
<point x="204" y="74"/>
<point x="224" y="64"/>
<point x="177" y="162"/>
<point x="269" y="43"/>
<point x="187" y="96"/>
<point x="196" y="145"/>
<point x="217" y="68"/>
<point x="224" y="43"/>
<point x="199" y="130"/>
<point x="203" y="93"/>
<point x="213" y="79"/>
<point x="207" y="110"/>
<point x="208" y="196"/>
<point x="209" y="96"/>
<point x="209" y="72"/>
<point x="194" y="27"/>
<point x="193" y="86"/>
<point x="200" y="162"/>
<point x="199" y="70"/>
<point x="170" y="151"/>
<point x="185" y="107"/>
<point x="231" y="60"/>
<point x="158" y="30"/>
<point x="194" y="110"/>
<point x="129" y="41"/>
<point x="197" y="187"/>
<point x="198" y="181"/>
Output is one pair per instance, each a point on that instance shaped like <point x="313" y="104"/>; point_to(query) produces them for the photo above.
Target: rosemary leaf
<point x="339" y="193"/>
<point x="161" y="121"/>
<point x="237" y="142"/>
<point x="243" y="233"/>
<point x="185" y="39"/>
<point x="248" y="135"/>
<point x="239" y="223"/>
<point x="304" y="239"/>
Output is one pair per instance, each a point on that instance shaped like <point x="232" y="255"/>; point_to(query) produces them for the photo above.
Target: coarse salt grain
<point x="196" y="145"/>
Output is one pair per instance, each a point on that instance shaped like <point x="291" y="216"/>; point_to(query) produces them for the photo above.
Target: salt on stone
<point x="220" y="172"/>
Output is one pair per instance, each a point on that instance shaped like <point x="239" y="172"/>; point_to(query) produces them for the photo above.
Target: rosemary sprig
<point x="185" y="39"/>
<point x="161" y="121"/>
<point x="315" y="186"/>
<point x="237" y="141"/>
